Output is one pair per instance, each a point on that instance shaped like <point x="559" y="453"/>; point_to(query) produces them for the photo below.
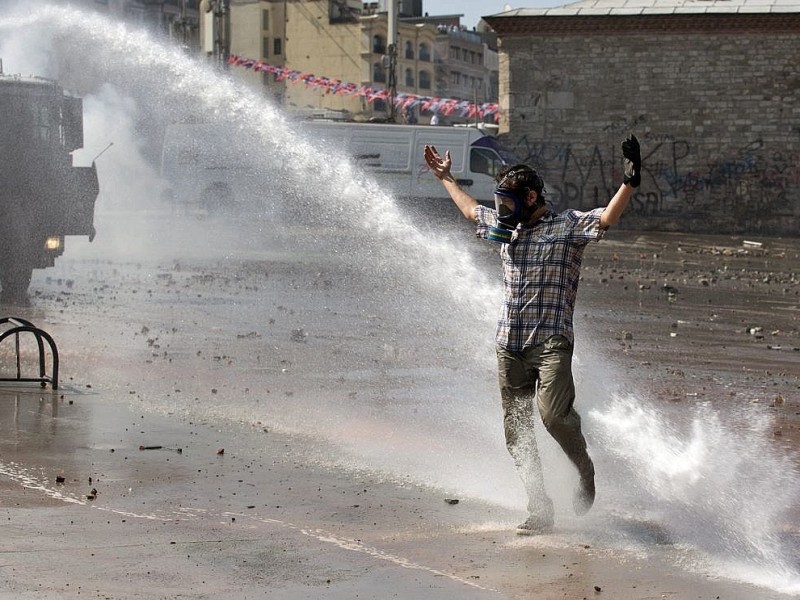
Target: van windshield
<point x="491" y="143"/>
<point x="483" y="160"/>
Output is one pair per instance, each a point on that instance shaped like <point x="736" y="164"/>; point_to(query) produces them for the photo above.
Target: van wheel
<point x="216" y="198"/>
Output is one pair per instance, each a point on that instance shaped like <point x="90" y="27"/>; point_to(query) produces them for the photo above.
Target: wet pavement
<point x="241" y="420"/>
<point x="701" y="317"/>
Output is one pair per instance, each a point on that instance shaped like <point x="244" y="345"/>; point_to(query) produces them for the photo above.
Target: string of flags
<point x="403" y="101"/>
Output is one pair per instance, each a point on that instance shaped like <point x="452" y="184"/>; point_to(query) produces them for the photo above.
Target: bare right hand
<point x="438" y="166"/>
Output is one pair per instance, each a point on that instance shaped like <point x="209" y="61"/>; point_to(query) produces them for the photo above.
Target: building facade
<point x="464" y="65"/>
<point x="178" y="20"/>
<point x="466" y="61"/>
<point x="340" y="40"/>
<point x="347" y="40"/>
<point x="415" y="68"/>
<point x="257" y="29"/>
<point x="711" y="89"/>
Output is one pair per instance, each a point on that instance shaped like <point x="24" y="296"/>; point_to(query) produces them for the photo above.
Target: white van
<point x="393" y="154"/>
<point x="210" y="166"/>
<point x="217" y="166"/>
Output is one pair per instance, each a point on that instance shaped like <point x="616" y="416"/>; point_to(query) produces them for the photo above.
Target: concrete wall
<point x="717" y="114"/>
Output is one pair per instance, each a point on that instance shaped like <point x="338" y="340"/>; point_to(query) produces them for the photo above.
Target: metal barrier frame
<point x="23" y="326"/>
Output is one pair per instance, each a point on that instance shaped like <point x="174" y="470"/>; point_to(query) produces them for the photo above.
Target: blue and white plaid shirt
<point x="541" y="270"/>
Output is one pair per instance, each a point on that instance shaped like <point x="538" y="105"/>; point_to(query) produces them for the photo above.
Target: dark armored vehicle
<point x="42" y="196"/>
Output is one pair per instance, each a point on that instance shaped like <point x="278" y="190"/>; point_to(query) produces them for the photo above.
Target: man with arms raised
<point x="541" y="254"/>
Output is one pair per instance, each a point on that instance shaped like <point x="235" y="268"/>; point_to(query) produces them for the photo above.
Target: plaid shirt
<point x="541" y="269"/>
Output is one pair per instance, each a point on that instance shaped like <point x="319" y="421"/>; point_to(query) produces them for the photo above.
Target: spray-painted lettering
<point x="679" y="176"/>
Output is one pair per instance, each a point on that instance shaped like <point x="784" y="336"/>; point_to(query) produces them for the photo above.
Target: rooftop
<point x="588" y="8"/>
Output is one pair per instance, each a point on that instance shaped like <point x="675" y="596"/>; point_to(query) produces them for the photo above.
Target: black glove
<point x="631" y="161"/>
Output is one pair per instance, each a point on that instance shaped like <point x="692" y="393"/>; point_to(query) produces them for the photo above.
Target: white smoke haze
<point x="128" y="180"/>
<point x="27" y="51"/>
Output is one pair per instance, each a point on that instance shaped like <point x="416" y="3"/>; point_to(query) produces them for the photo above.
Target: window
<point x="483" y="160"/>
<point x="44" y="122"/>
<point x="424" y="80"/>
<point x="277" y="46"/>
<point x="378" y="45"/>
<point x="265" y="48"/>
<point x="424" y="52"/>
<point x="265" y="20"/>
<point x="340" y="12"/>
<point x="378" y="74"/>
<point x="409" y="78"/>
<point x="409" y="51"/>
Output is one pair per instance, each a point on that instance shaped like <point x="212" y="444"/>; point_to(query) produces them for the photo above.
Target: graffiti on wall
<point x="679" y="176"/>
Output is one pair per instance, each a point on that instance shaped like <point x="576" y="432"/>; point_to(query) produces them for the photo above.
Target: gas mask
<point x="508" y="218"/>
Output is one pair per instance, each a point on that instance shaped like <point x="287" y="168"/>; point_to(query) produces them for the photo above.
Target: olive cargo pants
<point x="543" y="372"/>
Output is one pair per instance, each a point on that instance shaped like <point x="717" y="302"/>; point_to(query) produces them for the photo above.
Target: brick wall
<point x="715" y="108"/>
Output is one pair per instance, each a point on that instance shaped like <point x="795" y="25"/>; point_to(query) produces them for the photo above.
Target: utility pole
<point x="392" y="56"/>
<point x="181" y="28"/>
<point x="221" y="30"/>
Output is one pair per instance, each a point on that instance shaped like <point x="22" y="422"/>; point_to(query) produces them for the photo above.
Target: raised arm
<point x="441" y="168"/>
<point x="632" y="167"/>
